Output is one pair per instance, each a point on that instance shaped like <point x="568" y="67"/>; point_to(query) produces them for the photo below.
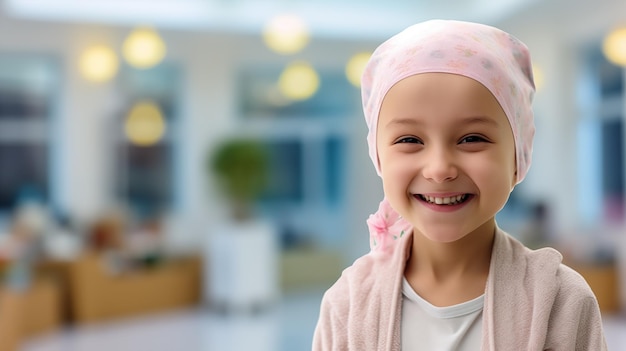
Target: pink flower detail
<point x="496" y="83"/>
<point x="386" y="225"/>
<point x="465" y="51"/>
<point x="412" y="51"/>
<point x="457" y="64"/>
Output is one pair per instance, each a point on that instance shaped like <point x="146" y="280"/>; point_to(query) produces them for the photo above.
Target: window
<point x="602" y="129"/>
<point x="145" y="172"/>
<point x="307" y="141"/>
<point x="260" y="97"/>
<point x="26" y="108"/>
<point x="285" y="180"/>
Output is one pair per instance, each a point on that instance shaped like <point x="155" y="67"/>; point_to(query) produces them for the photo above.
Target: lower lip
<point x="444" y="208"/>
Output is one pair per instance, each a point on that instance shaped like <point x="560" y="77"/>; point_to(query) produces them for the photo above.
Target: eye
<point x="408" y="140"/>
<point x="473" y="139"/>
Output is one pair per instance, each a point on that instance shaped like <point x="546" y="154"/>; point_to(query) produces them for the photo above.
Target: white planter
<point x="241" y="266"/>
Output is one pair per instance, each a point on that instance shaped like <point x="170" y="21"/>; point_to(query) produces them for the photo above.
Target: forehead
<point x="440" y="96"/>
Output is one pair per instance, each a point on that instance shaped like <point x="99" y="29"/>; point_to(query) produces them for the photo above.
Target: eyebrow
<point x="467" y="120"/>
<point x="481" y="120"/>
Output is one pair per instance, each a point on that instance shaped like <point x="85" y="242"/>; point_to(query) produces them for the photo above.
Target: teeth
<point x="452" y="200"/>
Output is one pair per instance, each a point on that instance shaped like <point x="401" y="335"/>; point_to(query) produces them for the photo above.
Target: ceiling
<point x="325" y="18"/>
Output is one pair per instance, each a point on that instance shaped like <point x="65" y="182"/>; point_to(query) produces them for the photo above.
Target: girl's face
<point x="446" y="153"/>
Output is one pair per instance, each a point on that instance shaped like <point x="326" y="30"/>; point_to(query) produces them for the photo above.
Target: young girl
<point x="448" y="107"/>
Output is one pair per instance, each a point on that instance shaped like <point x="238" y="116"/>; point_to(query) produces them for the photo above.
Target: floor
<point x="287" y="326"/>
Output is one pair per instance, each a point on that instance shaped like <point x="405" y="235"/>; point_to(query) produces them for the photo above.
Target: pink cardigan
<point x="532" y="302"/>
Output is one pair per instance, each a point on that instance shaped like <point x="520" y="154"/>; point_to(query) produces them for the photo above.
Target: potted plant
<point x="243" y="251"/>
<point x="240" y="167"/>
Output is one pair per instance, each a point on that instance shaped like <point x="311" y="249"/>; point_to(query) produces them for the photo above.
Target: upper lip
<point x="449" y="194"/>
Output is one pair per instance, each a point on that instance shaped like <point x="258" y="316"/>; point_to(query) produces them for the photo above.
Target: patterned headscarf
<point x="486" y="54"/>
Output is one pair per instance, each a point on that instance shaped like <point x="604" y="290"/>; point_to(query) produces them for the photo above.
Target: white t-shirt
<point x="428" y="327"/>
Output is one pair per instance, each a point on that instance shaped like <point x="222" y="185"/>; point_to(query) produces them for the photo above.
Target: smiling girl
<point x="448" y="107"/>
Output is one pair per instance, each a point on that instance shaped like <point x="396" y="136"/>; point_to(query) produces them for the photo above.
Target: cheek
<point x="396" y="171"/>
<point x="497" y="168"/>
<point x="511" y="166"/>
<point x="504" y="172"/>
<point x="395" y="164"/>
<point x="384" y="158"/>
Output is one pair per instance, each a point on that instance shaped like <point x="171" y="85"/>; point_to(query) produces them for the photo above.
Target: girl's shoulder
<point x="554" y="302"/>
<point x="364" y="273"/>
<point x="546" y="265"/>
<point x="376" y="274"/>
<point x="576" y="314"/>
<point x="572" y="285"/>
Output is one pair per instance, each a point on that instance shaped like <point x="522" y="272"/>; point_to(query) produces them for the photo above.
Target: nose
<point x="440" y="166"/>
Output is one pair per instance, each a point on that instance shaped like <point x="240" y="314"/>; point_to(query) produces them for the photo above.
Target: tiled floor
<point x="287" y="327"/>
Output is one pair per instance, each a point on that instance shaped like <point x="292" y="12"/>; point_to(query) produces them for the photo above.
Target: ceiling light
<point x="286" y="34"/>
<point x="143" y="48"/>
<point x="98" y="63"/>
<point x="299" y="81"/>
<point x="145" y="125"/>
<point x="356" y="66"/>
<point x="614" y="46"/>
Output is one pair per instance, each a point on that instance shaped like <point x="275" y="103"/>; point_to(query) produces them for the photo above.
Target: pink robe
<point x="532" y="302"/>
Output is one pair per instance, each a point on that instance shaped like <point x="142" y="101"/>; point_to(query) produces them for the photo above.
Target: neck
<point x="469" y="256"/>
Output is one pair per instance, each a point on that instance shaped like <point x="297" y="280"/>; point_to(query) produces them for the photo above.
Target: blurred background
<point x="193" y="174"/>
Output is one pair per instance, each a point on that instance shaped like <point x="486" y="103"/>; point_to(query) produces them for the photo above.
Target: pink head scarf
<point x="486" y="54"/>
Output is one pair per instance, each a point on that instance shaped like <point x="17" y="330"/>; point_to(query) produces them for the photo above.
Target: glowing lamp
<point x="614" y="46"/>
<point x="98" y="63"/>
<point x="143" y="48"/>
<point x="286" y="34"/>
<point x="145" y="124"/>
<point x="298" y="81"/>
<point x="356" y="66"/>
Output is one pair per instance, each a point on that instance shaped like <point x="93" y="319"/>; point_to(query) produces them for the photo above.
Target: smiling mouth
<point x="450" y="200"/>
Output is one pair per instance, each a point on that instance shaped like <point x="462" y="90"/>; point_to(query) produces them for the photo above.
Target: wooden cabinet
<point x="33" y="311"/>
<point x="97" y="294"/>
